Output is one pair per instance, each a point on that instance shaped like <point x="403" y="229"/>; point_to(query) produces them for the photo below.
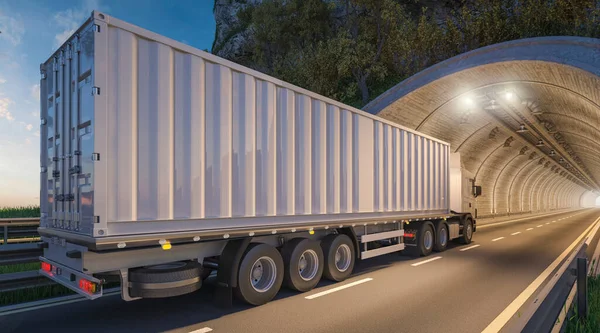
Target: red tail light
<point x="46" y="267"/>
<point x="87" y="286"/>
<point x="408" y="235"/>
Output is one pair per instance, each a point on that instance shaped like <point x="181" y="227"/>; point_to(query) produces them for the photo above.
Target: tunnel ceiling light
<point x="469" y="101"/>
<point x="509" y="95"/>
<point x="522" y="129"/>
<point x="540" y="143"/>
<point x="537" y="112"/>
<point x="552" y="153"/>
<point x="561" y="160"/>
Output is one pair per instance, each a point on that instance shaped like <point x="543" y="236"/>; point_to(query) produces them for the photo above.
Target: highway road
<point x="461" y="290"/>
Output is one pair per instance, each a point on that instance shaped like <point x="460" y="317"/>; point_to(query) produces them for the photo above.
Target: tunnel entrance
<point x="524" y="115"/>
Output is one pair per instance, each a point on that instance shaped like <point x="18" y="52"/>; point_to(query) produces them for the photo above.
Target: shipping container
<point x="146" y="141"/>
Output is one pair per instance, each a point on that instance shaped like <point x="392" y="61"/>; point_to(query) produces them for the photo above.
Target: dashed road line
<point x="425" y="261"/>
<point x="202" y="330"/>
<point x="515" y="233"/>
<point x="352" y="284"/>
<point x="529" y="229"/>
<point x="547" y="222"/>
<point x="539" y="226"/>
<point x="470" y="247"/>
<point x="497" y="239"/>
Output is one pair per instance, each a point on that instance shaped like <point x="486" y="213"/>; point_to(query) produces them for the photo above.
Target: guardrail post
<point x="5" y="235"/>
<point x="582" y="301"/>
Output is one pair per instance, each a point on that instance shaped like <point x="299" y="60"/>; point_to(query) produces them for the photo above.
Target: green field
<point x="26" y="211"/>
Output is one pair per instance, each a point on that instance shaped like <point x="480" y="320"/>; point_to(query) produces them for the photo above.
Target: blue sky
<point x="31" y="31"/>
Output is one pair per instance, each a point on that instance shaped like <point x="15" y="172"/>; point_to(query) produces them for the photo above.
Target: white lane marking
<point x="539" y="226"/>
<point x="515" y="233"/>
<point x="547" y="222"/>
<point x="352" y="284"/>
<point x="553" y="221"/>
<point x="497" y="239"/>
<point x="202" y="330"/>
<point x="470" y="247"/>
<point x="529" y="229"/>
<point x="425" y="261"/>
<point x="497" y="324"/>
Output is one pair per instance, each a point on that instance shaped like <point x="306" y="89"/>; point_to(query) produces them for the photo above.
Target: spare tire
<point x="165" y="280"/>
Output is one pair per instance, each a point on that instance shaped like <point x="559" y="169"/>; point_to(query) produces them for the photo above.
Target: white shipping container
<point x="142" y="134"/>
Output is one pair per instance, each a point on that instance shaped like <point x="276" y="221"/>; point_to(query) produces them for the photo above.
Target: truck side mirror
<point x="476" y="190"/>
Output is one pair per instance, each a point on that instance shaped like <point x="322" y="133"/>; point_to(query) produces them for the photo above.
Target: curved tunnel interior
<point x="523" y="115"/>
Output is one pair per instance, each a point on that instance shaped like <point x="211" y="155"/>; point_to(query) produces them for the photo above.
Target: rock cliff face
<point x="230" y="37"/>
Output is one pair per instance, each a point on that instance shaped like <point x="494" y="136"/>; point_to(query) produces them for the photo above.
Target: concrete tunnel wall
<point x="558" y="75"/>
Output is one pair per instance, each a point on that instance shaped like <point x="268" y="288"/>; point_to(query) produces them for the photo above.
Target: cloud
<point x="12" y="28"/>
<point x="69" y="20"/>
<point x="4" y="113"/>
<point x="35" y="92"/>
<point x="29" y="127"/>
<point x="27" y="141"/>
<point x="2" y="81"/>
<point x="37" y="133"/>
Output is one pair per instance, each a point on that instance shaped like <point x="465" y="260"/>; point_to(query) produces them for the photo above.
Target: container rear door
<point x="67" y="135"/>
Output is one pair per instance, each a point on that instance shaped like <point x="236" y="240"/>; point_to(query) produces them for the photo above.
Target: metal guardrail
<point x="19" y="246"/>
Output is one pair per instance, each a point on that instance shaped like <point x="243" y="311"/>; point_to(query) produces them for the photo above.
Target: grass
<point x="33" y="294"/>
<point x="14" y="212"/>
<point x="19" y="268"/>
<point x="592" y="323"/>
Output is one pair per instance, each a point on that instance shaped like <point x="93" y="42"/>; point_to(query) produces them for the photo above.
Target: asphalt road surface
<point x="463" y="290"/>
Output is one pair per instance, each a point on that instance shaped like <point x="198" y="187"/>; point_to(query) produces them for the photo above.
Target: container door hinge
<point x="95" y="157"/>
<point x="96" y="28"/>
<point x="56" y="174"/>
<point x="96" y="219"/>
<point x="95" y="90"/>
<point x="74" y="170"/>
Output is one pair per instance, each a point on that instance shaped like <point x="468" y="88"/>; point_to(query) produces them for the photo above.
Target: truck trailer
<point x="161" y="163"/>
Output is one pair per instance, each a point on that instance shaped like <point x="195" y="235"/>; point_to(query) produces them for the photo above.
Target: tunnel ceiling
<point x="524" y="115"/>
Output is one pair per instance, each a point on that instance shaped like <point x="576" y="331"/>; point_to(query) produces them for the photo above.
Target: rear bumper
<point x="71" y="278"/>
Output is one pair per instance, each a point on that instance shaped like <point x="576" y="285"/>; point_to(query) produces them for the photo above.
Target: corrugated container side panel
<point x="197" y="142"/>
<point x="364" y="156"/>
<point x="303" y="154"/>
<point x="346" y="160"/>
<point x="285" y="152"/>
<point x="319" y="137"/>
<point x="333" y="159"/>
<point x="389" y="169"/>
<point x="188" y="138"/>
<point x="377" y="165"/>
<point x="265" y="148"/>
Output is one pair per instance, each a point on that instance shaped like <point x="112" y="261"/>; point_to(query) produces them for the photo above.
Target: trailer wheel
<point x="441" y="237"/>
<point x="467" y="234"/>
<point x="338" y="252"/>
<point x="260" y="274"/>
<point x="426" y="239"/>
<point x="303" y="261"/>
<point x="165" y="280"/>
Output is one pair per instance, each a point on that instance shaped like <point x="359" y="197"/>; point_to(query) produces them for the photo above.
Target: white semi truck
<point x="161" y="163"/>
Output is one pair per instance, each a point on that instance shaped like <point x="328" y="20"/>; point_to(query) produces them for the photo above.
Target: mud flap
<point x="229" y="264"/>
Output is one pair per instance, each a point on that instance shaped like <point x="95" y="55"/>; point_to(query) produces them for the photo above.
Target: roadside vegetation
<point x="354" y="50"/>
<point x="592" y="323"/>
<point x="24" y="211"/>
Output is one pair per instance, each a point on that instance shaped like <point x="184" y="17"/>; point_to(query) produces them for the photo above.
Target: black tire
<point x="441" y="237"/>
<point x="296" y="277"/>
<point x="426" y="240"/>
<point x="342" y="269"/>
<point x="179" y="278"/>
<point x="467" y="235"/>
<point x="266" y="289"/>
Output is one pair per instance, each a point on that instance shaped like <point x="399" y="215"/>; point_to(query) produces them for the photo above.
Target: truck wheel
<point x="426" y="239"/>
<point x="441" y="237"/>
<point x="165" y="280"/>
<point x="467" y="233"/>
<point x="260" y="274"/>
<point x="338" y="252"/>
<point x="303" y="261"/>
